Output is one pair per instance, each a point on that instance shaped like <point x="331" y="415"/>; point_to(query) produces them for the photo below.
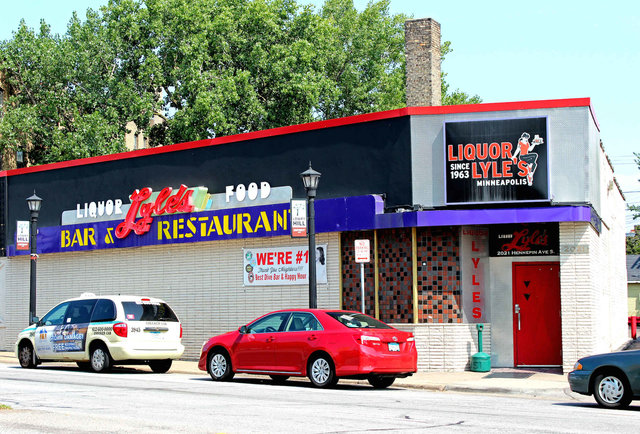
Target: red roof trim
<point x="369" y="117"/>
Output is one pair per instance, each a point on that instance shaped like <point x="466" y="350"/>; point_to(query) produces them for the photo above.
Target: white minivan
<point x="98" y="332"/>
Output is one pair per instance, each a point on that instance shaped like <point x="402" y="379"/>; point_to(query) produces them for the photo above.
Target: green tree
<point x="71" y="97"/>
<point x="211" y="67"/>
<point x="633" y="243"/>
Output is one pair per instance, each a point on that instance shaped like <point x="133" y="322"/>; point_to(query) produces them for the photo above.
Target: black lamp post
<point x="310" y="179"/>
<point x="34" y="203"/>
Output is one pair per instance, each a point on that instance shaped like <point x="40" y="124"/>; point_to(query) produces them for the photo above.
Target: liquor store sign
<point x="496" y="161"/>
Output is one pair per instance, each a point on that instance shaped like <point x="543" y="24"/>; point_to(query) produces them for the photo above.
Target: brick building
<point x="503" y="214"/>
<point x="461" y="232"/>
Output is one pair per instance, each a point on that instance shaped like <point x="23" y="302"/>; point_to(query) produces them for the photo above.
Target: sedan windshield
<point x="357" y="320"/>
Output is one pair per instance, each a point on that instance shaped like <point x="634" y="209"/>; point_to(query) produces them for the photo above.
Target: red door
<point x="537" y="331"/>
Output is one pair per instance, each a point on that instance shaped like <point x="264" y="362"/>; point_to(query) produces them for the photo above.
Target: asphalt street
<point x="65" y="399"/>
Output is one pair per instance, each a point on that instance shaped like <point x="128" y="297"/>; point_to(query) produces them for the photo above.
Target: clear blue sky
<point x="504" y="51"/>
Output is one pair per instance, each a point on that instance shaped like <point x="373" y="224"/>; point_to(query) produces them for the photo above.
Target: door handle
<point x="270" y="339"/>
<point x="312" y="338"/>
<point x="517" y="312"/>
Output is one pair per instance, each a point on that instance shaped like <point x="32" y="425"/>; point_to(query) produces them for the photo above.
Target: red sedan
<point x="324" y="345"/>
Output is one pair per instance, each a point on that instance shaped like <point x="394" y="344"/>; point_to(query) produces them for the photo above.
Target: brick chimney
<point x="422" y="50"/>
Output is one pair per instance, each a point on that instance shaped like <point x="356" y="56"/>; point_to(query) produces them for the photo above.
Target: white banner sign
<point x="283" y="266"/>
<point x="298" y="218"/>
<point x="22" y="235"/>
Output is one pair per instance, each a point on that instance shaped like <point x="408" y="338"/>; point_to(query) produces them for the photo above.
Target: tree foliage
<point x="210" y="67"/>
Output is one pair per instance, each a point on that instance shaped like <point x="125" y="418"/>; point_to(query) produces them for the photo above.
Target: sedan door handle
<point x="312" y="338"/>
<point x="270" y="339"/>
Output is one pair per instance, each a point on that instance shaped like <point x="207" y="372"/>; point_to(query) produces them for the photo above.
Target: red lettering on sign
<point x="179" y="202"/>
<point x="475" y="261"/>
<point x="450" y="153"/>
<point x="522" y="240"/>
<point x="474" y="282"/>
<point x="477" y="312"/>
<point x="476" y="297"/>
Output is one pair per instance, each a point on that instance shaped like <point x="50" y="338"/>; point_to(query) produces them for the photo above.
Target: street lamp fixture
<point x="310" y="179"/>
<point x="34" y="203"/>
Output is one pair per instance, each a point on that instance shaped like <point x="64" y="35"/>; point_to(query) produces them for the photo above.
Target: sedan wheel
<point x="322" y="373"/>
<point x="100" y="359"/>
<point x="610" y="391"/>
<point x="219" y="367"/>
<point x="25" y="355"/>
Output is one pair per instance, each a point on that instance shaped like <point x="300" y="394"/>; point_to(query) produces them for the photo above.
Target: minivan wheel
<point x="160" y="366"/>
<point x="321" y="372"/>
<point x="219" y="366"/>
<point x="100" y="359"/>
<point x="25" y="356"/>
<point x="611" y="391"/>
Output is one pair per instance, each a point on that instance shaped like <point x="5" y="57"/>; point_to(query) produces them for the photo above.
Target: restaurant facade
<point x="506" y="215"/>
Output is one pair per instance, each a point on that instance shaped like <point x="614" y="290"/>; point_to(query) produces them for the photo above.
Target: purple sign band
<point x="332" y="215"/>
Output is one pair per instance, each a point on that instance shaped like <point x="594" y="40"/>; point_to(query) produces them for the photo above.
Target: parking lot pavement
<point x="539" y="383"/>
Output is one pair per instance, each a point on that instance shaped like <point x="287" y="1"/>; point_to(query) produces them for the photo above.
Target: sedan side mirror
<point x="35" y="320"/>
<point x="243" y="330"/>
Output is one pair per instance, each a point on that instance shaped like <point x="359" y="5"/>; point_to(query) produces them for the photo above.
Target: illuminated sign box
<point x="496" y="161"/>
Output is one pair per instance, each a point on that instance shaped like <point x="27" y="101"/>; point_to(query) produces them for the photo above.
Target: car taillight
<point x="368" y="340"/>
<point x="180" y="331"/>
<point x="121" y="329"/>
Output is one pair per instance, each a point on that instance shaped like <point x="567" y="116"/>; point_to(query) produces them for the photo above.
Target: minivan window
<point x="55" y="315"/>
<point x="105" y="310"/>
<point x="79" y="311"/>
<point x="148" y="311"/>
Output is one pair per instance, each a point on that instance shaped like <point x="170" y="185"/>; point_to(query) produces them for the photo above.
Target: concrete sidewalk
<point x="539" y="383"/>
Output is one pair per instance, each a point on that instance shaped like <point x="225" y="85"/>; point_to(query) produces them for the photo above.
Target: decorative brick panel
<point x="351" y="293"/>
<point x="438" y="276"/>
<point x="438" y="279"/>
<point x="394" y="269"/>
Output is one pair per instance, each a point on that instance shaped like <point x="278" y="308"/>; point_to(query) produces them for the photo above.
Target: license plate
<point x="394" y="346"/>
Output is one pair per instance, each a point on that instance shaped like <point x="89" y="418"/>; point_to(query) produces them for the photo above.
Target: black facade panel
<point x="358" y="159"/>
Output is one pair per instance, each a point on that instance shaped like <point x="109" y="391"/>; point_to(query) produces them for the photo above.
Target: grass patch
<point x="5" y="407"/>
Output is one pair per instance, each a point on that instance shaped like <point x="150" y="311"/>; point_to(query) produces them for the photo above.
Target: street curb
<point x="179" y="367"/>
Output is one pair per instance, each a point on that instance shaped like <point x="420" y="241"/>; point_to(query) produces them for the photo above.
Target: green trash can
<point x="480" y="361"/>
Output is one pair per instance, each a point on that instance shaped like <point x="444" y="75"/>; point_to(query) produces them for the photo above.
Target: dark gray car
<point x="613" y="378"/>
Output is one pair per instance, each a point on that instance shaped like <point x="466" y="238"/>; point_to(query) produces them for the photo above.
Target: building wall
<point x="3" y="294"/>
<point x="633" y="298"/>
<point x="447" y="347"/>
<point x="203" y="282"/>
<point x="501" y="301"/>
<point x="572" y="138"/>
<point x="593" y="292"/>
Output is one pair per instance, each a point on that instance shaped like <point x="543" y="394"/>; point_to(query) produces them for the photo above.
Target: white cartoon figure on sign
<point x="530" y="158"/>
